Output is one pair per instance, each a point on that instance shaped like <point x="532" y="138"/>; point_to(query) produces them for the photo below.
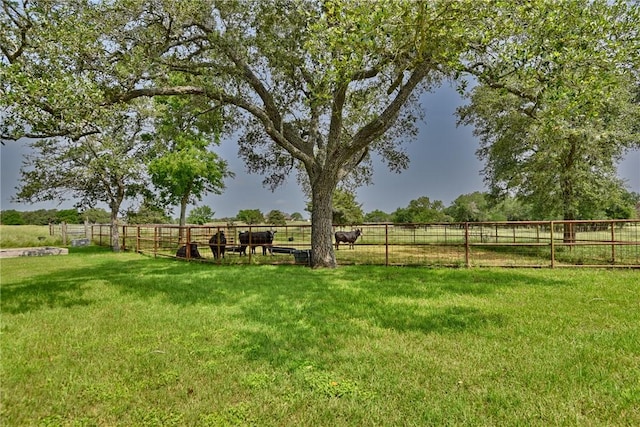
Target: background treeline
<point x="473" y="207"/>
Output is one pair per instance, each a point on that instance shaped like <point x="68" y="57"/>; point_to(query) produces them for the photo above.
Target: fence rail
<point x="608" y="243"/>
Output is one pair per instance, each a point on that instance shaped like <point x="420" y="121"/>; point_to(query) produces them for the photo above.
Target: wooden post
<point x="386" y="245"/>
<point x="466" y="245"/>
<point x="250" y="243"/>
<point x="188" y="242"/>
<point x="553" y="247"/>
<point x="155" y="241"/>
<point x="613" y="243"/>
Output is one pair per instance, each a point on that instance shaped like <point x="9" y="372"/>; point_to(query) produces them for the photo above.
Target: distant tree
<point x="70" y="216"/>
<point x="108" y="167"/>
<point x="473" y="207"/>
<point x="96" y="215"/>
<point x="346" y="211"/>
<point x="11" y="217"/>
<point x="40" y="216"/>
<point x="377" y="216"/>
<point x="296" y="216"/>
<point x="623" y="207"/>
<point x="421" y="210"/>
<point x="250" y="216"/>
<point x="276" y="217"/>
<point x="510" y="209"/>
<point x="200" y="215"/>
<point x="185" y="170"/>
<point x="148" y="213"/>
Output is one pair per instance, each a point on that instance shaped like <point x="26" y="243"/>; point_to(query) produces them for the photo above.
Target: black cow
<point x="256" y="238"/>
<point x="218" y="243"/>
<point x="347" y="236"/>
<point x="193" y="251"/>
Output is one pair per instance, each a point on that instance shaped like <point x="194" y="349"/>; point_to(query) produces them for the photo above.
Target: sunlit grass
<point x="24" y="236"/>
<point x="121" y="339"/>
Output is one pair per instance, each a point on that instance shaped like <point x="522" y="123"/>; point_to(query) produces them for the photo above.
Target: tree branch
<point x="378" y="126"/>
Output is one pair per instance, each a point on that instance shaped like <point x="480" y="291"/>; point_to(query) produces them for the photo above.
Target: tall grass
<point x="25" y="236"/>
<point x="96" y="338"/>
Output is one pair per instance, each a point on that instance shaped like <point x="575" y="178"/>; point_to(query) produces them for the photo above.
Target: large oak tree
<point x="316" y="86"/>
<point x="554" y="107"/>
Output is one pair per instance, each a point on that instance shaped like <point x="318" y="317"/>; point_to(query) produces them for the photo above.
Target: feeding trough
<point x="282" y="250"/>
<point x="302" y="256"/>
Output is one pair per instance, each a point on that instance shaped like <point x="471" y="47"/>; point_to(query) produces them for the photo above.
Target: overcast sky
<point x="443" y="166"/>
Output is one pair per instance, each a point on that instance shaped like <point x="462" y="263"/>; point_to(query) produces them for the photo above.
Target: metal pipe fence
<point x="606" y="243"/>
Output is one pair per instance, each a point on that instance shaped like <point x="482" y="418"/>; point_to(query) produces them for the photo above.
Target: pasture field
<point x="24" y="236"/>
<point x="531" y="244"/>
<point x="125" y="339"/>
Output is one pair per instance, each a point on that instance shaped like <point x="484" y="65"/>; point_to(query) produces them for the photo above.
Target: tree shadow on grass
<point x="35" y="295"/>
<point x="290" y="313"/>
<point x="315" y="318"/>
<point x="176" y="282"/>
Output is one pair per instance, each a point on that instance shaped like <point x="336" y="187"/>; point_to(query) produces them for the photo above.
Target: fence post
<point x="155" y="240"/>
<point x="124" y="237"/>
<point x="63" y="230"/>
<point x="250" y="243"/>
<point x="138" y="238"/>
<point x="386" y="245"/>
<point x="188" y="242"/>
<point x="466" y="245"/>
<point x="613" y="243"/>
<point x="553" y="246"/>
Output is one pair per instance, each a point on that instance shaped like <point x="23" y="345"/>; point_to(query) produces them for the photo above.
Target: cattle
<point x="256" y="238"/>
<point x="347" y="236"/>
<point x="218" y="243"/>
<point x="193" y="251"/>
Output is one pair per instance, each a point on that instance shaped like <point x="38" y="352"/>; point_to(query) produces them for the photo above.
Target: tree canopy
<point x="555" y="108"/>
<point x="107" y="167"/>
<point x="184" y="169"/>
<point x="250" y="216"/>
<point x="200" y="215"/>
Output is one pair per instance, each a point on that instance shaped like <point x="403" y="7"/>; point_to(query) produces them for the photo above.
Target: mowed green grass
<point x="96" y="338"/>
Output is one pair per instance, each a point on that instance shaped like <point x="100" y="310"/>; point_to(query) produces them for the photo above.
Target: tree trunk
<point x="183" y="218"/>
<point x="115" y="231"/>
<point x="568" y="193"/>
<point x="322" y="254"/>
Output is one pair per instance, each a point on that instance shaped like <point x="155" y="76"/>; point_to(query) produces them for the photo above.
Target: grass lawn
<point x="96" y="338"/>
